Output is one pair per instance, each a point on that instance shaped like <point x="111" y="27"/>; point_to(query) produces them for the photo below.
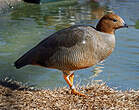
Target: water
<point x="25" y="26"/>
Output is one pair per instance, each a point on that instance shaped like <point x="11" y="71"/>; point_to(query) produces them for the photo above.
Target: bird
<point x="74" y="48"/>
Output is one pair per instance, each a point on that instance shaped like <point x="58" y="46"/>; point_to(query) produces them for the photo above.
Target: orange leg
<point x="69" y="79"/>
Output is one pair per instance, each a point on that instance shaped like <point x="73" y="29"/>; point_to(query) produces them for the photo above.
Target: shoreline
<point x="100" y="97"/>
<point x="6" y="5"/>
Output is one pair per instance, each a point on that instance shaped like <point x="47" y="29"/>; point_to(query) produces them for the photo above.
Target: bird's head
<point x="109" y="23"/>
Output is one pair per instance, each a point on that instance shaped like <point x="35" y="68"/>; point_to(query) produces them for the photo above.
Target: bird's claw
<point x="77" y="93"/>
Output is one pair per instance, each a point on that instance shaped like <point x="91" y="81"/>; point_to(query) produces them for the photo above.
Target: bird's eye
<point x="114" y="20"/>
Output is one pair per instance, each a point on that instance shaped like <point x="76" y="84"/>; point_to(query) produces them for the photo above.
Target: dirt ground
<point x="100" y="97"/>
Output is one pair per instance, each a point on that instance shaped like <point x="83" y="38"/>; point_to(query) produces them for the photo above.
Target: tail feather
<point x="18" y="64"/>
<point x="25" y="59"/>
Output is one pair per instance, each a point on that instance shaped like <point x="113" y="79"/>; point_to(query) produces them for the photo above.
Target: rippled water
<point x="25" y="26"/>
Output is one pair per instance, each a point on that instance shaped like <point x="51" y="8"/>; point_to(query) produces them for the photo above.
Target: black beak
<point x="125" y="25"/>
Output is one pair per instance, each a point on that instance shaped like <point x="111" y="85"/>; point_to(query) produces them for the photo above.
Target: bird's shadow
<point x="15" y="85"/>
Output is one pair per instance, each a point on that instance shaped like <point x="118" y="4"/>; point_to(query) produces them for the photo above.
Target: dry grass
<point x="101" y="97"/>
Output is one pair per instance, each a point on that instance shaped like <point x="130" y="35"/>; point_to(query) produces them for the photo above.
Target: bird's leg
<point x="69" y="79"/>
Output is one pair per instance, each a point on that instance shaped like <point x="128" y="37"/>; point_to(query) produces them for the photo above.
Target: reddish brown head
<point x="109" y="23"/>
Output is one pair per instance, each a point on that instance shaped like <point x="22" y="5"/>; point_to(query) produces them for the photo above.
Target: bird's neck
<point x="105" y="28"/>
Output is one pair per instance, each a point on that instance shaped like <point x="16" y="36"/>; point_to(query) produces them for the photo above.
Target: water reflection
<point x="97" y="70"/>
<point x="54" y="16"/>
<point x="137" y="24"/>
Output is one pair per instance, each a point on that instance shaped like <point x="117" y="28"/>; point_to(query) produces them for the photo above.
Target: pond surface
<point x="28" y="24"/>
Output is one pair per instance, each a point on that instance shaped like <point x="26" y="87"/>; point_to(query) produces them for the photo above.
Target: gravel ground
<point x="100" y="97"/>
